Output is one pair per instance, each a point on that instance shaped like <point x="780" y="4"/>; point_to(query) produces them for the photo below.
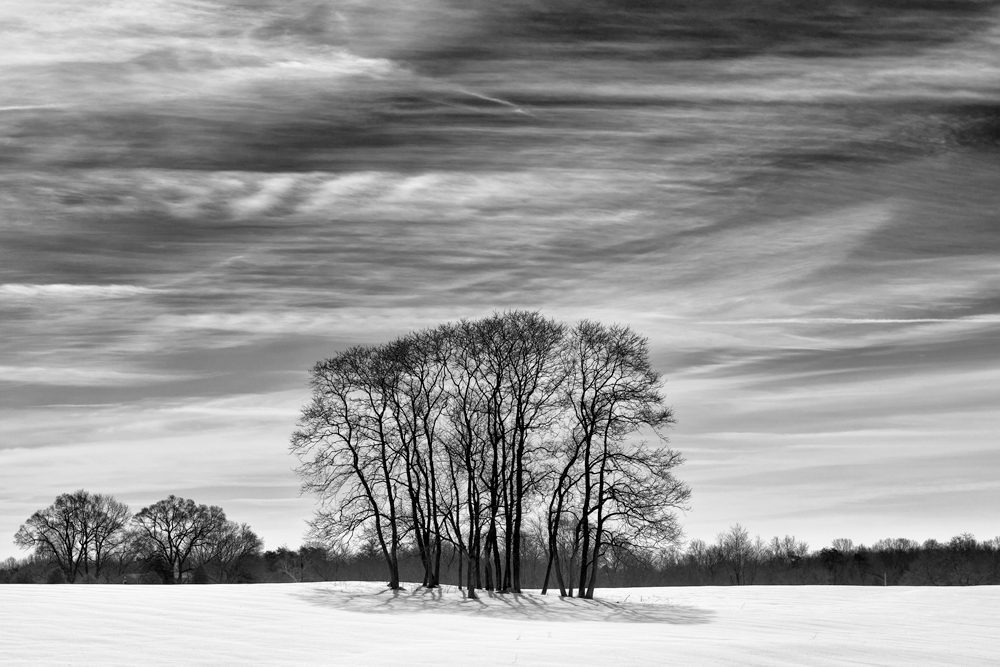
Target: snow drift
<point x="362" y="623"/>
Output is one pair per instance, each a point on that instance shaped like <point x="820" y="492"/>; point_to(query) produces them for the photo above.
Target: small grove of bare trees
<point x="89" y="535"/>
<point x="80" y="532"/>
<point x="179" y="535"/>
<point x="474" y="434"/>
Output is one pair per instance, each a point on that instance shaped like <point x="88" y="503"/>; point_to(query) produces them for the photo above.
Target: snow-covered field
<point x="351" y="623"/>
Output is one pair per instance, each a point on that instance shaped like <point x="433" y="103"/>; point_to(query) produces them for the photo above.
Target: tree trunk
<point x="548" y="571"/>
<point x="584" y="551"/>
<point x="394" y="569"/>
<point x="436" y="572"/>
<point x="594" y="564"/>
<point x="599" y="526"/>
<point x="488" y="573"/>
<point x="496" y="558"/>
<point x="518" y="518"/>
<point x="472" y="576"/>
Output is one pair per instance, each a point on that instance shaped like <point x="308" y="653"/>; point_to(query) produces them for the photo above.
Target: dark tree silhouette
<point x="231" y="549"/>
<point x="470" y="433"/>
<point x="79" y="532"/>
<point x="618" y="491"/>
<point x="176" y="531"/>
<point x="348" y="453"/>
<point x="741" y="555"/>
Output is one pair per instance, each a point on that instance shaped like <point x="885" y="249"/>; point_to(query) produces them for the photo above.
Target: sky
<point x="798" y="203"/>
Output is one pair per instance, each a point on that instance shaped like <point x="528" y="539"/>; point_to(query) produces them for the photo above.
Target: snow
<point x="361" y="623"/>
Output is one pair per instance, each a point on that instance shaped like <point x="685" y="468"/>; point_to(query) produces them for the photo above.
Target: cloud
<point x="432" y="32"/>
<point x="78" y="376"/>
<point x="66" y="291"/>
<point x="201" y="200"/>
<point x="32" y="107"/>
<point x="230" y="451"/>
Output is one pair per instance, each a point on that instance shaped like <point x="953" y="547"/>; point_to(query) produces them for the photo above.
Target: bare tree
<point x="175" y="531"/>
<point x="468" y="450"/>
<point x="741" y="554"/>
<point x="349" y="456"/>
<point x="419" y="401"/>
<point x="79" y="531"/>
<point x="787" y="549"/>
<point x="844" y="545"/>
<point x="894" y="555"/>
<point x="108" y="520"/>
<point x="708" y="558"/>
<point x="562" y="517"/>
<point x="231" y="548"/>
<point x="624" y="489"/>
<point x="533" y="379"/>
<point x="296" y="564"/>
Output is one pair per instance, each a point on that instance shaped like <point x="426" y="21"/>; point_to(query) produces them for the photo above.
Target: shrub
<point x="24" y="576"/>
<point x="56" y="576"/>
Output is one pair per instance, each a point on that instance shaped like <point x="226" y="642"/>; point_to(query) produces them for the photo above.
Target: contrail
<point x="513" y="106"/>
<point x="29" y="107"/>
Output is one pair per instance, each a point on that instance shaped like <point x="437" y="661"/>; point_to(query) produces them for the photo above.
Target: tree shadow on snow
<point x="450" y="600"/>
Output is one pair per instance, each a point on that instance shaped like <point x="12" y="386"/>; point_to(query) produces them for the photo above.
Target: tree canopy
<point x="477" y="432"/>
<point x="79" y="531"/>
<point x="176" y="529"/>
<point x="87" y="534"/>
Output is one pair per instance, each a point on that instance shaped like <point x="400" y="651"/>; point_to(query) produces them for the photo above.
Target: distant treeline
<point x="734" y="559"/>
<point x="737" y="559"/>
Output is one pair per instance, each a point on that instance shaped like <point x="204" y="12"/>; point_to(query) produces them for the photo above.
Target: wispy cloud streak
<point x="67" y="291"/>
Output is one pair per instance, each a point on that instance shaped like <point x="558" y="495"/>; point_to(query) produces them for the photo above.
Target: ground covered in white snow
<point x="351" y="623"/>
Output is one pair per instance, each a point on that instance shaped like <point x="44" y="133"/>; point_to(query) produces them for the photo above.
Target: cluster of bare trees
<point x="84" y="534"/>
<point x="738" y="558"/>
<point x="472" y="435"/>
<point x="79" y="532"/>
